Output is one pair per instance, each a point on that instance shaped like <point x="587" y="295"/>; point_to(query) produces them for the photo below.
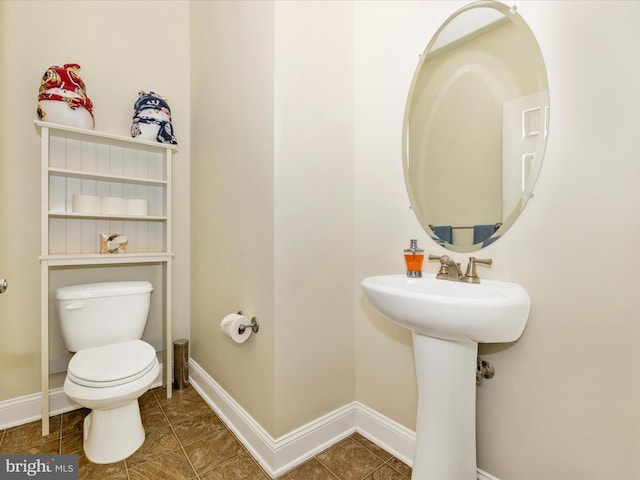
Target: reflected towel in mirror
<point x="444" y="233"/>
<point x="482" y="232"/>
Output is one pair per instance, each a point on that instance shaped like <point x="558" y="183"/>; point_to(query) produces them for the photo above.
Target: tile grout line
<point x="197" y="477"/>
<point x="323" y="466"/>
<point x="244" y="450"/>
<point x="386" y="462"/>
<point x="370" y="474"/>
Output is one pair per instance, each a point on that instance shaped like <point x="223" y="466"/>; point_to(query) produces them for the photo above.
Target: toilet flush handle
<point x="74" y="306"/>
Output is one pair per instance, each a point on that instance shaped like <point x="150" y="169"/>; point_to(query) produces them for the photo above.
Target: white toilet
<point x="103" y="323"/>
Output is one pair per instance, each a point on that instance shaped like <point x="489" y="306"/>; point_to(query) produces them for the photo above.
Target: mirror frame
<point x="510" y="14"/>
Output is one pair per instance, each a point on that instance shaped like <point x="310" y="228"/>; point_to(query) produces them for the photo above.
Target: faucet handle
<point x="471" y="276"/>
<point x="443" y="273"/>
<point x="484" y="261"/>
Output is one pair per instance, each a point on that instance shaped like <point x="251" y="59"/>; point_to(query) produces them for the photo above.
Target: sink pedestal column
<point x="446" y="422"/>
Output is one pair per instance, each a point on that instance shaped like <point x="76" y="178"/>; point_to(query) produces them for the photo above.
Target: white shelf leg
<point x="168" y="334"/>
<point x="44" y="345"/>
<point x="44" y="281"/>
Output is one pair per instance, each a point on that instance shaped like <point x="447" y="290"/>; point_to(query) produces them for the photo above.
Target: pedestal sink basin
<point x="488" y="312"/>
<point x="448" y="319"/>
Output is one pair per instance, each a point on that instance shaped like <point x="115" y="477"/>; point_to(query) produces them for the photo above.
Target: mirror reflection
<point x="476" y="125"/>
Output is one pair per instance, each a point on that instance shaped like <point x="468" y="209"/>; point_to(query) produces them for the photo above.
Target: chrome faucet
<point x="447" y="263"/>
<point x="450" y="270"/>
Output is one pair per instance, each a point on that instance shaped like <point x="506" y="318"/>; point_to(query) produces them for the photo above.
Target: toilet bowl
<point x="109" y="380"/>
<point x="112" y="366"/>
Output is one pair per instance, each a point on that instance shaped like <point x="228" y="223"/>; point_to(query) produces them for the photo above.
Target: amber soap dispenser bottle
<point x="414" y="256"/>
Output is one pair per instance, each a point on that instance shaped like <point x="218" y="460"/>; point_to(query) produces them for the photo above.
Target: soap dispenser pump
<point x="414" y="256"/>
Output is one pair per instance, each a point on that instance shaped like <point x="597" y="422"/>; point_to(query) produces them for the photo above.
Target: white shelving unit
<point x="86" y="162"/>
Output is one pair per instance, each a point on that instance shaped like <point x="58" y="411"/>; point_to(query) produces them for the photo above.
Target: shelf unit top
<point x="105" y="137"/>
<point x="67" y="259"/>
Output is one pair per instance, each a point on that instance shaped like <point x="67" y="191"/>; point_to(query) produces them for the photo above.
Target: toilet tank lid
<point x="104" y="289"/>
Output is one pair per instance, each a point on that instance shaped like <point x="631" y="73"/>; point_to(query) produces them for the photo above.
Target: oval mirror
<point x="475" y="126"/>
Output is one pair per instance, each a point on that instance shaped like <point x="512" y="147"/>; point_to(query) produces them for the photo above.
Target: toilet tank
<point x="97" y="314"/>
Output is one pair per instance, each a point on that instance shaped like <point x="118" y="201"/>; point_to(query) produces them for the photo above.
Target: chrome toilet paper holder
<point x="253" y="325"/>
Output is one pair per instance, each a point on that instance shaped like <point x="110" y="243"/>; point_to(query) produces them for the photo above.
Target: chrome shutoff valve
<point x="484" y="370"/>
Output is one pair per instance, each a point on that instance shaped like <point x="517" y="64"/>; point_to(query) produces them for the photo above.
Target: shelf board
<point x="64" y="259"/>
<point x="96" y="136"/>
<point x="151" y="218"/>
<point x="104" y="176"/>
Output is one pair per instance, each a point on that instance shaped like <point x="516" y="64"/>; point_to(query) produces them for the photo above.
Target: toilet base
<point x="113" y="435"/>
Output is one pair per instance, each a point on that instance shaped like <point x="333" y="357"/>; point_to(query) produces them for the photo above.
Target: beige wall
<point x="122" y="48"/>
<point x="232" y="173"/>
<point x="314" y="206"/>
<point x="272" y="204"/>
<point x="563" y="403"/>
<point x="564" y="400"/>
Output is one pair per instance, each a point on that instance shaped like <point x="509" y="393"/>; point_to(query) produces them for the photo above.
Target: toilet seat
<point x="111" y="365"/>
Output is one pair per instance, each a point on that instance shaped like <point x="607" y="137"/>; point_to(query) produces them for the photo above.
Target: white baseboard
<point x="384" y="432"/>
<point x="21" y="410"/>
<point x="275" y="455"/>
<point x="482" y="475"/>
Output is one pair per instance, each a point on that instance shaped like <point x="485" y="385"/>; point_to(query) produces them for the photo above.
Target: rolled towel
<point x="482" y="232"/>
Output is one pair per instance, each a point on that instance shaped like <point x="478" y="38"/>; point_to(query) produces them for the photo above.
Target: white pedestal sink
<point x="448" y="320"/>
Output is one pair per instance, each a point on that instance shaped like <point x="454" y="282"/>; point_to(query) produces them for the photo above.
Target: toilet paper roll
<point x="137" y="206"/>
<point x="86" y="204"/>
<point x="114" y="206"/>
<point x="230" y="325"/>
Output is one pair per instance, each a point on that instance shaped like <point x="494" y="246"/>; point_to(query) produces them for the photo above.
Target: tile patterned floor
<point x="186" y="440"/>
